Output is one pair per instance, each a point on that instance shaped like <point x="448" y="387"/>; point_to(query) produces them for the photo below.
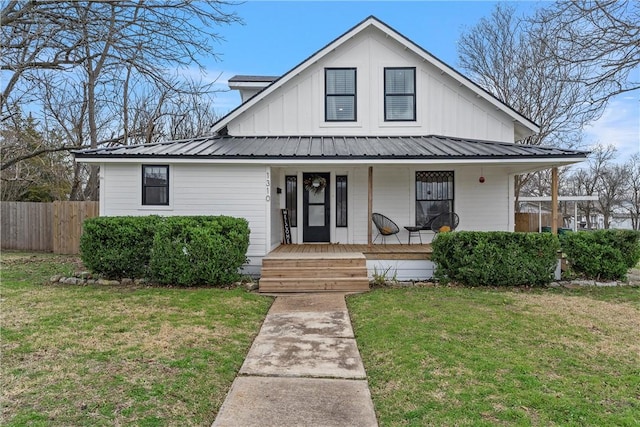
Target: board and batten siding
<point x="401" y="270"/>
<point x="481" y="206"/>
<point x="277" y="202"/>
<point x="443" y="106"/>
<point x="196" y="189"/>
<point x="359" y="198"/>
<point x="486" y="206"/>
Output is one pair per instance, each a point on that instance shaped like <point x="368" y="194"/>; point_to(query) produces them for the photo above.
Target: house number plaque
<point x="268" y="185"/>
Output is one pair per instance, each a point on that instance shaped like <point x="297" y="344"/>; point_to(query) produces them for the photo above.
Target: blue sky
<point x="277" y="35"/>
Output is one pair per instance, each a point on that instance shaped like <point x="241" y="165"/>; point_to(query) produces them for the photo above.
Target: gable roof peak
<point x="526" y="125"/>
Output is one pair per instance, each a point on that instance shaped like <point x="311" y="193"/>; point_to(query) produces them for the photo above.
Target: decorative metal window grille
<point x="434" y="195"/>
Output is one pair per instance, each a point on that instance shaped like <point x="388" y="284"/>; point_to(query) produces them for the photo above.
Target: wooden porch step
<point x="347" y="284"/>
<point x="314" y="272"/>
<point x="315" y="260"/>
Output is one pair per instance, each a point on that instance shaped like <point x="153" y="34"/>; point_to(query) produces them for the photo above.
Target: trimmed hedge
<point x="602" y="254"/>
<point x="190" y="251"/>
<point x="477" y="258"/>
<point x="182" y="251"/>
<point x="117" y="247"/>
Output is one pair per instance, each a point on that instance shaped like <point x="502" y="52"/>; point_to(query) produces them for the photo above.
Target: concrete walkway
<point x="303" y="369"/>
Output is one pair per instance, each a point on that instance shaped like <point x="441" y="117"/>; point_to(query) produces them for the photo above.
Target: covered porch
<point x="321" y="206"/>
<point x="349" y="254"/>
<point x="340" y="212"/>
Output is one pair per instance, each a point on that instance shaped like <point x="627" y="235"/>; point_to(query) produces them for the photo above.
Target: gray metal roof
<point x="332" y="148"/>
<point x="259" y="79"/>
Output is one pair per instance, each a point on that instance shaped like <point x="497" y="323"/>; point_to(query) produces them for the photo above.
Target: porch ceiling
<point x="336" y="148"/>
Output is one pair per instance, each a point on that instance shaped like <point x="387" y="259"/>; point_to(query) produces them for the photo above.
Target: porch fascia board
<point x="541" y="163"/>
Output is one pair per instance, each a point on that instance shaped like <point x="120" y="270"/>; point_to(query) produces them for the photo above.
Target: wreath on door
<point x="315" y="184"/>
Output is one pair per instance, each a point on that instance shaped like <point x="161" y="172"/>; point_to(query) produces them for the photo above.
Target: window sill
<point x="400" y="124"/>
<point x="341" y="125"/>
<point x="155" y="207"/>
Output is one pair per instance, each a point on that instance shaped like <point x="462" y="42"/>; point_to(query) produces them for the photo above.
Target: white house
<point x="369" y="118"/>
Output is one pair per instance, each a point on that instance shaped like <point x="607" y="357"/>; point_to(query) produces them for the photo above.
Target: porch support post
<point x="554" y="200"/>
<point x="370" y="207"/>
<point x="539" y="217"/>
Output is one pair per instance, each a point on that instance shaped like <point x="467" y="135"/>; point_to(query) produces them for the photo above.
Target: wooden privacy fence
<point x="49" y="227"/>
<point x="67" y="224"/>
<point x="529" y="221"/>
<point x="27" y="226"/>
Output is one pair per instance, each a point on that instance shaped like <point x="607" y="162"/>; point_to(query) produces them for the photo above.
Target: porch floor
<point x="373" y="252"/>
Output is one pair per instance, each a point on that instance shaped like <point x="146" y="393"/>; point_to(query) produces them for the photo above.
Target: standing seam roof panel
<point x="331" y="147"/>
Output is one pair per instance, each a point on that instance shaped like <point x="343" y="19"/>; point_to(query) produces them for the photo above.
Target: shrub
<point x="495" y="258"/>
<point x="190" y="251"/>
<point x="117" y="247"/>
<point x="602" y="254"/>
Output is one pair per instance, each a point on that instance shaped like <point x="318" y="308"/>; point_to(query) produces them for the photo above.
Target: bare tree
<point x="613" y="186"/>
<point x="600" y="37"/>
<point x="83" y="65"/>
<point x="151" y="36"/>
<point x="509" y="57"/>
<point x="182" y="111"/>
<point x="602" y="178"/>
<point x="631" y="202"/>
<point x="539" y="183"/>
<point x="38" y="178"/>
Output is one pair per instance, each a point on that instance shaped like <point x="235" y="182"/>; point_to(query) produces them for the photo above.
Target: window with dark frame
<point x="434" y="195"/>
<point x="291" y="198"/>
<point x="340" y="94"/>
<point x="155" y="185"/>
<point x="399" y="94"/>
<point x="341" y="200"/>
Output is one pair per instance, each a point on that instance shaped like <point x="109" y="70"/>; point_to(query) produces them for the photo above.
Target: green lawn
<point x="91" y="355"/>
<point x="460" y="356"/>
<point x="144" y="356"/>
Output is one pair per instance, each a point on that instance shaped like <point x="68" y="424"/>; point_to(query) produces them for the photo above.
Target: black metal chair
<point x="447" y="221"/>
<point x="385" y="227"/>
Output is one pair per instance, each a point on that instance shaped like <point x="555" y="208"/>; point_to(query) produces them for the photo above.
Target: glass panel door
<point x="316" y="207"/>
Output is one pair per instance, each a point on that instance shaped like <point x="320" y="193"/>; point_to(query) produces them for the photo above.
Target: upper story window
<point x="155" y="185"/>
<point x="399" y="94"/>
<point x="340" y="94"/>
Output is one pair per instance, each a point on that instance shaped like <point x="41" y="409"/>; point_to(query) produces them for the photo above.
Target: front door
<point x="316" y="207"/>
